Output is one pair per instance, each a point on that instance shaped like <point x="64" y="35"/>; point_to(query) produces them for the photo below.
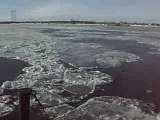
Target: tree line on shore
<point x="82" y="22"/>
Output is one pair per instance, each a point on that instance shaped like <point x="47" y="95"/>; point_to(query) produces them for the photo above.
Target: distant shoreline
<point x="84" y="22"/>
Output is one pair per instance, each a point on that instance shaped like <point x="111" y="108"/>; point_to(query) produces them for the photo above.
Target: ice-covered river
<point x="72" y="66"/>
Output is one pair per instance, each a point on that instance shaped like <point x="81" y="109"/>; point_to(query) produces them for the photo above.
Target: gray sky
<point x="96" y="10"/>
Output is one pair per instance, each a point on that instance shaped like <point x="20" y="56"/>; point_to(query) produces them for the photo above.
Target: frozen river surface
<point x="72" y="66"/>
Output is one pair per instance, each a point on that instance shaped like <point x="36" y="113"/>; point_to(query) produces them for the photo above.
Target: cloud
<point x="81" y="10"/>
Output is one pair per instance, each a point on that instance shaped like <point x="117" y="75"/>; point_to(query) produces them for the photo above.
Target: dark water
<point x="133" y="80"/>
<point x="130" y="80"/>
<point x="137" y="80"/>
<point x="10" y="69"/>
<point x="130" y="46"/>
<point x="49" y="30"/>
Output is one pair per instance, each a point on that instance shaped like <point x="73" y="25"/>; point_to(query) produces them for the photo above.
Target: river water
<point x="70" y="63"/>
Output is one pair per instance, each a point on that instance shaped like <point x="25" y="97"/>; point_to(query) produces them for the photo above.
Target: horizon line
<point x="76" y="21"/>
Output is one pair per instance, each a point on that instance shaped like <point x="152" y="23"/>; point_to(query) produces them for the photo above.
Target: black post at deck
<point x="24" y="104"/>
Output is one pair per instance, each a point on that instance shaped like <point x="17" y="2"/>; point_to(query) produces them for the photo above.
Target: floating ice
<point x="5" y="109"/>
<point x="5" y="105"/>
<point x="50" y="78"/>
<point x="82" y="77"/>
<point x="58" y="110"/>
<point x="108" y="108"/>
<point x="114" y="58"/>
<point x="87" y="55"/>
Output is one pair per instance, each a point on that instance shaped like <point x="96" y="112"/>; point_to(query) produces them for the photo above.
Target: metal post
<point x="24" y="104"/>
<point x="156" y="94"/>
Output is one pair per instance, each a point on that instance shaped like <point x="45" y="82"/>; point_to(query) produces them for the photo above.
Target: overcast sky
<point x="96" y="10"/>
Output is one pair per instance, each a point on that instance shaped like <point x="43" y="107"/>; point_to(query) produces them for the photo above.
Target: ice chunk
<point x="50" y="98"/>
<point x="107" y="108"/>
<point x="136" y="115"/>
<point x="58" y="110"/>
<point x="82" y="77"/>
<point x="78" y="90"/>
<point x="114" y="58"/>
<point x="5" y="109"/>
<point x="158" y="117"/>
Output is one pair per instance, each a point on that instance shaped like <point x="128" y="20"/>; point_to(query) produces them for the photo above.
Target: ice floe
<point x="108" y="108"/>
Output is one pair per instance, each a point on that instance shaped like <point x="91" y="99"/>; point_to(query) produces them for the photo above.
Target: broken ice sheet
<point x="114" y="58"/>
<point x="5" y="109"/>
<point x="109" y="108"/>
<point x="86" y="78"/>
<point x="82" y="82"/>
<point x="58" y="110"/>
<point x="5" y="105"/>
